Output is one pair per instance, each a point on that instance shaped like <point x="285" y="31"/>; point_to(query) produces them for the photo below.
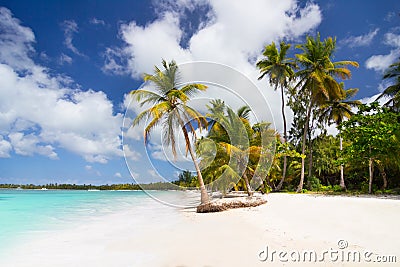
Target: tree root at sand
<point x="230" y="203"/>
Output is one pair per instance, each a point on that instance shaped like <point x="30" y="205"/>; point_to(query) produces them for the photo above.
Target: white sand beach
<point x="166" y="236"/>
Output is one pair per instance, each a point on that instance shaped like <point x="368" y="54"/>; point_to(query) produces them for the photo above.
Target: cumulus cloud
<point x="230" y="32"/>
<point x="381" y="62"/>
<point x="15" y="42"/>
<point x="70" y="28"/>
<point x="392" y="39"/>
<point x="118" y="175"/>
<point x="40" y="112"/>
<point x="361" y="40"/>
<point x="27" y="145"/>
<point x="5" y="148"/>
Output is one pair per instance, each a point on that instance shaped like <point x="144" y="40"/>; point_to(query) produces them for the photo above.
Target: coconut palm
<point x="170" y="110"/>
<point x="336" y="111"/>
<point x="279" y="68"/>
<point x="229" y="151"/>
<point x="317" y="79"/>
<point x="393" y="91"/>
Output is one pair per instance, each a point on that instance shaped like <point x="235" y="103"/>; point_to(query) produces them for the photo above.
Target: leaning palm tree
<point x="336" y="111"/>
<point x="169" y="108"/>
<point x="317" y="79"/>
<point x="393" y="91"/>
<point x="279" y="68"/>
<point x="227" y="150"/>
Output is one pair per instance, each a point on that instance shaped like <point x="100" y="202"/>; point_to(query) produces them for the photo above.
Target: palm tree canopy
<point x="337" y="110"/>
<point x="392" y="91"/>
<point x="319" y="72"/>
<point x="276" y="65"/>
<point x="168" y="104"/>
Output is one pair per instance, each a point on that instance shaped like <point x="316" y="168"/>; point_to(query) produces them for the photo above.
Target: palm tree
<point x="317" y="79"/>
<point x="280" y="71"/>
<point x="393" y="91"/>
<point x="169" y="108"/>
<point x="228" y="150"/>
<point x="336" y="111"/>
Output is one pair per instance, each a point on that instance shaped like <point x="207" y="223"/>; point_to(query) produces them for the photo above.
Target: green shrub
<point x="315" y="183"/>
<point x="337" y="188"/>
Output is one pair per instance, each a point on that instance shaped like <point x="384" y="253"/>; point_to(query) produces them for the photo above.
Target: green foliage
<point x="373" y="132"/>
<point x="326" y="153"/>
<point x="393" y="91"/>
<point x="233" y="151"/>
<point x="187" y="180"/>
<point x="315" y="183"/>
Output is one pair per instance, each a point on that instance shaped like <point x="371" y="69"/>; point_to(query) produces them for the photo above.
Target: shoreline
<point x="159" y="235"/>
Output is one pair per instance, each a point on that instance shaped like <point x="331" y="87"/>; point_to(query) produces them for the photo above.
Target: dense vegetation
<point x="363" y="156"/>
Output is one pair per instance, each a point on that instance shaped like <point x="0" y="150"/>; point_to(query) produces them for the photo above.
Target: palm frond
<point x="145" y="96"/>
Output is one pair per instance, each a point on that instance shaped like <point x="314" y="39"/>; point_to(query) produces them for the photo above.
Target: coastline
<point x="159" y="235"/>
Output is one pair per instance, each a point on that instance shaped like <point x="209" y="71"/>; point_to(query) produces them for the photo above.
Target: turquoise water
<point x="24" y="213"/>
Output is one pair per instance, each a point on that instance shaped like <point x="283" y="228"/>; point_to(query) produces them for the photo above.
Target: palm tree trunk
<point x="310" y="154"/>
<point x="284" y="140"/>
<point x="371" y="174"/>
<point x="248" y="187"/>
<point x="342" y="185"/>
<point x="303" y="149"/>
<point x="383" y="174"/>
<point x="310" y="160"/>
<point x="384" y="180"/>
<point x="204" y="195"/>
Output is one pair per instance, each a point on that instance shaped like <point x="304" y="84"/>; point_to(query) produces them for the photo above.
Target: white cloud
<point x="96" y="21"/>
<point x="381" y="62"/>
<point x="131" y="154"/>
<point x="40" y="112"/>
<point x="118" y="175"/>
<point x="28" y="145"/>
<point x="392" y="39"/>
<point x="232" y="33"/>
<point x="15" y="42"/>
<point x="361" y="40"/>
<point x="368" y="100"/>
<point x="88" y="167"/>
<point x="70" y="28"/>
<point x="114" y="62"/>
<point x="5" y="148"/>
<point x="65" y="59"/>
<point x="149" y="44"/>
<point x="153" y="173"/>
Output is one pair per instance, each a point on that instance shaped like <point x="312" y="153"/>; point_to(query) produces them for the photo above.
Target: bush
<point x="315" y="183"/>
<point x="338" y="188"/>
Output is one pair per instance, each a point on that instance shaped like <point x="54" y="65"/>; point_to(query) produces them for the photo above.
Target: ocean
<point x="26" y="214"/>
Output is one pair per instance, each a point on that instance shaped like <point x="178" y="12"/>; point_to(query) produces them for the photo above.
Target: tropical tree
<point x="393" y="91"/>
<point x="336" y="111"/>
<point x="374" y="136"/>
<point x="317" y="79"/>
<point x="232" y="152"/>
<point x="170" y="109"/>
<point x="279" y="68"/>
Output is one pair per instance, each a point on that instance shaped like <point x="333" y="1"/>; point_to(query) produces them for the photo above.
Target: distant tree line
<point x="151" y="186"/>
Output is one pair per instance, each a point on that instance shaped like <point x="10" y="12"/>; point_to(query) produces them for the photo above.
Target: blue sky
<point x="66" y="67"/>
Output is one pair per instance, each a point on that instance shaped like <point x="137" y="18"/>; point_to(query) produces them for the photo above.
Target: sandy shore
<point x="165" y="236"/>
